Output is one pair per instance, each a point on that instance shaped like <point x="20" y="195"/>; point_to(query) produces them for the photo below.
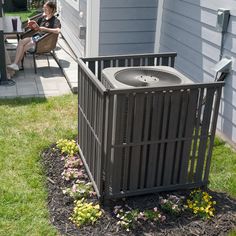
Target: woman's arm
<point x="50" y="30"/>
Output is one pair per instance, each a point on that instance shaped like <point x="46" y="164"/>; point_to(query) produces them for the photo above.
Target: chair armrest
<point x="46" y="43"/>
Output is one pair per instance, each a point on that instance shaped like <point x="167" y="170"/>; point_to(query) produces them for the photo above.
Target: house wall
<point x="71" y="19"/>
<point x="127" y="26"/>
<point x="189" y="28"/>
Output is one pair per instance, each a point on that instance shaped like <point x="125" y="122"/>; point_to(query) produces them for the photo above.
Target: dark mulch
<point x="61" y="207"/>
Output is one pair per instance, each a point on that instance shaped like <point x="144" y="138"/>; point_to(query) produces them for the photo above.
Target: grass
<point x="27" y="126"/>
<point x="24" y="15"/>
<point x="223" y="168"/>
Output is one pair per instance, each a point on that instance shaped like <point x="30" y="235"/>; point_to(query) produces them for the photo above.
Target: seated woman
<point x="48" y="23"/>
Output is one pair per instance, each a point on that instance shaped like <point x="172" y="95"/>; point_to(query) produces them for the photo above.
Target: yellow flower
<point x="211" y="213"/>
<point x="99" y="213"/>
<point x="97" y="206"/>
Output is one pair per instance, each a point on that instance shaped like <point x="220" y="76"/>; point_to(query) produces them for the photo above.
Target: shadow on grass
<point x="15" y="102"/>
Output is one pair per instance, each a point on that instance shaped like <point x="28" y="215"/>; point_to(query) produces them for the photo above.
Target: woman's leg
<point x="22" y="47"/>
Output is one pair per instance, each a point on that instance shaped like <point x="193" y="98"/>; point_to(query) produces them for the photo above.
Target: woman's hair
<point x="52" y="5"/>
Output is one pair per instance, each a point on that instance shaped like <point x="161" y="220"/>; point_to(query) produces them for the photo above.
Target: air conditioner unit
<point x="155" y="76"/>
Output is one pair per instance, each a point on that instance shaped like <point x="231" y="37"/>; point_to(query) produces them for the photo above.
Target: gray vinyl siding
<point x="189" y="28"/>
<point x="71" y="20"/>
<point x="127" y="26"/>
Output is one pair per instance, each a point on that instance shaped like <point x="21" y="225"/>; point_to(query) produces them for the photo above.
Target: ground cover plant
<point x="35" y="198"/>
<point x="196" y="212"/>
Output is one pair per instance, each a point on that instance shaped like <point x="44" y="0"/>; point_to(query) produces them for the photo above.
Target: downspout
<point x="158" y="26"/>
<point x="223" y="67"/>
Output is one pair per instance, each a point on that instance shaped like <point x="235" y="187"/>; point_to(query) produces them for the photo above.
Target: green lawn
<point x="23" y="14"/>
<point x="27" y="126"/>
<point x="223" y="169"/>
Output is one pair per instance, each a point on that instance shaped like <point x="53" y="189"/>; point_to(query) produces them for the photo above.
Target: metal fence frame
<point x="146" y="150"/>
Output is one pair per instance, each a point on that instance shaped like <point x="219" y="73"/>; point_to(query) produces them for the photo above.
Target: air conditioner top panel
<point x="157" y="76"/>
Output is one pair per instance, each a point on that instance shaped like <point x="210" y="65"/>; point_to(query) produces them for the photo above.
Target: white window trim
<point x="158" y="26"/>
<point x="92" y="33"/>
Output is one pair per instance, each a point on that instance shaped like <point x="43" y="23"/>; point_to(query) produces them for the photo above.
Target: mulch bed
<point x="61" y="206"/>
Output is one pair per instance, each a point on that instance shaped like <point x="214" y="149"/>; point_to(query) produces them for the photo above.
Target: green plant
<point x="85" y="213"/>
<point x="127" y="217"/>
<point x="73" y="162"/>
<point x="152" y="215"/>
<point x="200" y="203"/>
<point x="68" y="147"/>
<point x="172" y="204"/>
<point x="72" y="173"/>
<point x="80" y="190"/>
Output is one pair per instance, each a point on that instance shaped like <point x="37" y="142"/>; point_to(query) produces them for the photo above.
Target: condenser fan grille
<point x="139" y="77"/>
<point x="144" y="76"/>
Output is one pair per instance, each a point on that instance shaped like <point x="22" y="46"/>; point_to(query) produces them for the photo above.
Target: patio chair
<point x="44" y="46"/>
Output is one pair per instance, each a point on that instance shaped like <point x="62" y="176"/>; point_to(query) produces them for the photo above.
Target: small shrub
<point x="152" y="215"/>
<point x="72" y="173"/>
<point x="128" y="217"/>
<point x="68" y="147"/>
<point x="200" y="203"/>
<point x="73" y="162"/>
<point x="80" y="190"/>
<point x="172" y="204"/>
<point x="85" y="213"/>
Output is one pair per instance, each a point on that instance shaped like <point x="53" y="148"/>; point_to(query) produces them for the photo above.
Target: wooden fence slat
<point x="181" y="125"/>
<point x="204" y="133"/>
<point x="212" y="131"/>
<point x="169" y="161"/>
<point x="136" y="137"/>
<point x="148" y="109"/>
<point x="119" y="131"/>
<point x="155" y="131"/>
<point x="196" y="135"/>
<point x="189" y="129"/>
<point x="162" y="151"/>
<point x="109" y="155"/>
<point x="128" y="134"/>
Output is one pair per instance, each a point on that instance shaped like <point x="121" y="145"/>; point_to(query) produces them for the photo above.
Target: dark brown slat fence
<point x="144" y="140"/>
